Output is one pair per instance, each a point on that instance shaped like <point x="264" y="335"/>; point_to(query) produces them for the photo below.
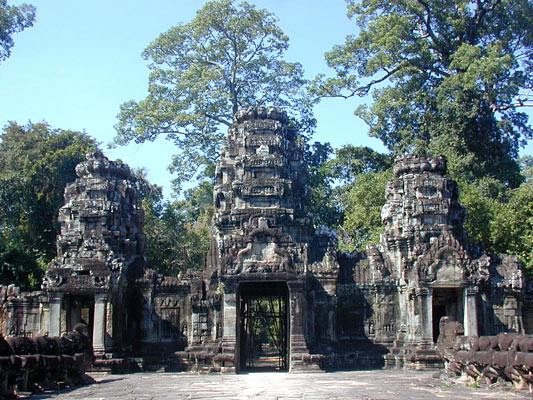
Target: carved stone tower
<point x="100" y="244"/>
<point x="422" y="204"/>
<point x="261" y="221"/>
<point x="262" y="230"/>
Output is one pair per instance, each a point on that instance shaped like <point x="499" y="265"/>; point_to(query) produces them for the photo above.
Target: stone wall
<point x="378" y="307"/>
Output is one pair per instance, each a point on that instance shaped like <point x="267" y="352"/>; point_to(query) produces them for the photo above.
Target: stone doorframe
<point x="296" y="347"/>
<point x="100" y="319"/>
<point x="262" y="289"/>
<point x="469" y="302"/>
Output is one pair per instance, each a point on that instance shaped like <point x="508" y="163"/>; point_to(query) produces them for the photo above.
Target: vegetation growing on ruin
<point x="446" y="77"/>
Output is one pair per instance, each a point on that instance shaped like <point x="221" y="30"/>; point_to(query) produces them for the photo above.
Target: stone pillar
<point x="54" y="315"/>
<point x="99" y="327"/>
<point x="299" y="357"/>
<point x="425" y="298"/>
<point x="229" y="338"/>
<point x="470" y="311"/>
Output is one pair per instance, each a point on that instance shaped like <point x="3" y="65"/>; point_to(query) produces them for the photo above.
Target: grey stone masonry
<point x="101" y="228"/>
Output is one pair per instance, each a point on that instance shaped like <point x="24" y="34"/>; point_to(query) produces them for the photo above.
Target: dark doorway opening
<point x="445" y="303"/>
<point x="80" y="309"/>
<point x="263" y="326"/>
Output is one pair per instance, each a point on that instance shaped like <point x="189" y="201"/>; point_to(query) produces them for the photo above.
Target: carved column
<point x="229" y="338"/>
<point x="470" y="312"/>
<point x="99" y="328"/>
<point x="298" y="350"/>
<point x="425" y="298"/>
<point x="54" y="316"/>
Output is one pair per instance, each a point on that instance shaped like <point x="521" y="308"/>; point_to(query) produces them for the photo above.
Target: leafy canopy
<point x="36" y="163"/>
<point x="13" y="19"/>
<point x="177" y="232"/>
<point x="228" y="57"/>
<point x="347" y="188"/>
<point x="446" y="76"/>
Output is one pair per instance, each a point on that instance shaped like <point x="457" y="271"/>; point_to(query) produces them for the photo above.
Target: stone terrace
<point x="368" y="385"/>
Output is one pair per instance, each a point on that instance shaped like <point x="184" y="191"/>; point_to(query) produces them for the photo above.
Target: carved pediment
<point x="446" y="261"/>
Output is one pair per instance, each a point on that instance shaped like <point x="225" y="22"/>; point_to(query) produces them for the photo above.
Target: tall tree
<point x="202" y="72"/>
<point x="446" y="76"/>
<point x="36" y="163"/>
<point x="13" y="19"/>
<point x="177" y="232"/>
<point x="323" y="200"/>
<point x="362" y="201"/>
<point x="348" y="191"/>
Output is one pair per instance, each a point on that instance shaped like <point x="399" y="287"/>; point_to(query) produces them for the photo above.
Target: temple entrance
<point x="445" y="303"/>
<point x="263" y="326"/>
<point x="80" y="309"/>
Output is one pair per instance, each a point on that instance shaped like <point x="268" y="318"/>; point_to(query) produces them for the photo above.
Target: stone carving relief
<point x="445" y="262"/>
<point x="101" y="227"/>
<point x="261" y="226"/>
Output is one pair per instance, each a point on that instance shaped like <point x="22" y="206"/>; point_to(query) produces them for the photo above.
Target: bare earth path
<point x="367" y="385"/>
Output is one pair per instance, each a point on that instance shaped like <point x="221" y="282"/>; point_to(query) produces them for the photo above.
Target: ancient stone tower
<point x="262" y="223"/>
<point x="100" y="243"/>
<point x="263" y="236"/>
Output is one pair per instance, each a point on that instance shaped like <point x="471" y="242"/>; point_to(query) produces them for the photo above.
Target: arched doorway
<point x="263" y="326"/>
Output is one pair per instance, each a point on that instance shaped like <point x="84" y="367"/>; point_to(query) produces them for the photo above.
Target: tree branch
<point x="525" y="101"/>
<point x="218" y="119"/>
<point x="363" y="90"/>
<point x="478" y="19"/>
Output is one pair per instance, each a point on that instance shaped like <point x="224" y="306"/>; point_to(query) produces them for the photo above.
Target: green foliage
<point x="446" y="76"/>
<point x="503" y="225"/>
<point x="348" y="191"/>
<point x="526" y="165"/>
<point x="351" y="161"/>
<point x="363" y="200"/>
<point x="19" y="267"/>
<point x="202" y="72"/>
<point x="178" y="234"/>
<point x="323" y="200"/>
<point x="36" y="163"/>
<point x="512" y="226"/>
<point x="481" y="210"/>
<point x="13" y="19"/>
<point x="331" y="177"/>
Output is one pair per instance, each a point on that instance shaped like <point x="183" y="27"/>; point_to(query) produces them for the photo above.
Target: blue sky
<point x="81" y="60"/>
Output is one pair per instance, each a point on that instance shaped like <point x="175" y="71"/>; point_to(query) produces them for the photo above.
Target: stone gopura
<point x="269" y="265"/>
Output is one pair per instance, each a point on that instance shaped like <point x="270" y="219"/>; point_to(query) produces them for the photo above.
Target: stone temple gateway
<point x="275" y="292"/>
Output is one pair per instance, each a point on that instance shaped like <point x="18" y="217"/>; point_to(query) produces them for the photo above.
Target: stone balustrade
<point x="33" y="364"/>
<point x="506" y="357"/>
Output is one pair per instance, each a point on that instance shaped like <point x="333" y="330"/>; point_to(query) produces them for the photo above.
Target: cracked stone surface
<point x="368" y="385"/>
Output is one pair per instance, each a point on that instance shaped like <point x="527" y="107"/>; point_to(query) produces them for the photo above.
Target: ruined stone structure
<point x="269" y="267"/>
<point x="100" y="249"/>
<point x="32" y="364"/>
<point x="264" y="238"/>
<point x="422" y="270"/>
